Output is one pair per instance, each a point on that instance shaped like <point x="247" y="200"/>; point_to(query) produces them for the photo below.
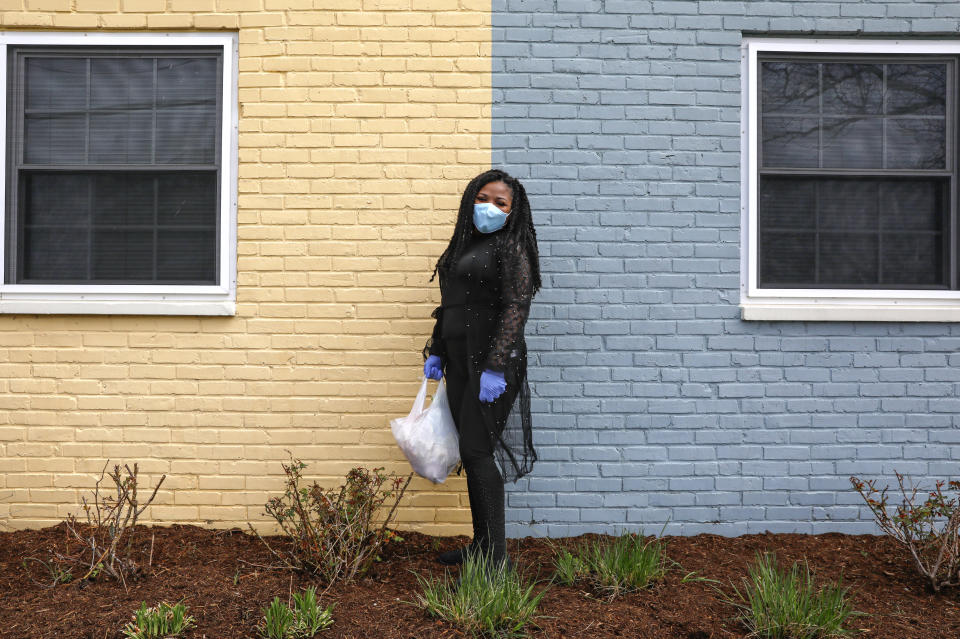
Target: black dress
<point x="485" y="302"/>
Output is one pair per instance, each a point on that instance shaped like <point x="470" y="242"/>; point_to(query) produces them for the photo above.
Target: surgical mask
<point x="488" y="218"/>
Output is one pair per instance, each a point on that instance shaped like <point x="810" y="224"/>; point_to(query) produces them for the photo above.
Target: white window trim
<point x="136" y="299"/>
<point x="821" y="304"/>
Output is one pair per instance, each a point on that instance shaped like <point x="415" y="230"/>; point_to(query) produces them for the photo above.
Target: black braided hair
<point x="519" y="223"/>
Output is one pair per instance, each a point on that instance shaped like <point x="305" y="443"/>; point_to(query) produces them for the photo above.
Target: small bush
<point x="777" y="604"/>
<point x="487" y="600"/>
<point x="930" y="530"/>
<point x="163" y="621"/>
<point x="304" y="620"/>
<point x="627" y="563"/>
<point x="336" y="534"/>
<point x="106" y="538"/>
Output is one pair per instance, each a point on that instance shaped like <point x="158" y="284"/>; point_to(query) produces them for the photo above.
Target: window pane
<point x="852" y="88"/>
<point x="852" y="142"/>
<point x="186" y="255"/>
<point x="848" y="204"/>
<point x="55" y="84"/>
<point x="912" y="258"/>
<point x="787" y="258"/>
<point x="914" y="143"/>
<point x="186" y="81"/>
<point x="55" y="253"/>
<point x="55" y="139"/>
<point x="849" y="259"/>
<point x="123" y="199"/>
<point x="122" y="255"/>
<point x="788" y="204"/>
<point x="51" y="199"/>
<point x="790" y="87"/>
<point x="121" y="138"/>
<point x="185" y="198"/>
<point x="912" y="205"/>
<point x="186" y="135"/>
<point x="919" y="89"/>
<point x="121" y="83"/>
<point x="852" y="232"/>
<point x="790" y="142"/>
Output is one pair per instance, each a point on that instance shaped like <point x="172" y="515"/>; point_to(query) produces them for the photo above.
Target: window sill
<point x="91" y="305"/>
<point x="813" y="310"/>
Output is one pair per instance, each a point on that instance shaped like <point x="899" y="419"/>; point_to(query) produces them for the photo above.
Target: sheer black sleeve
<point x="435" y="345"/>
<point x="516" y="294"/>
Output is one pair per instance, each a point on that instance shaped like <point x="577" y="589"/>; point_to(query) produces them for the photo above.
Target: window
<point x="850" y="179"/>
<point x="120" y="158"/>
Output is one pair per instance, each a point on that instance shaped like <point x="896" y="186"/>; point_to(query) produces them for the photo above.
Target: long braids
<point x="519" y="224"/>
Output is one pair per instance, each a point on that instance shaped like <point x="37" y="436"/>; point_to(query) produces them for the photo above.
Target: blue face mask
<point x="488" y="218"/>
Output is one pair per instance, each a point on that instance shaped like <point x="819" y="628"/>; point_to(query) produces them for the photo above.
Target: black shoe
<point x="455" y="557"/>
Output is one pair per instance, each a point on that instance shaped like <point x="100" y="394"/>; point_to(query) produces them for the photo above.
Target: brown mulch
<point x="225" y="578"/>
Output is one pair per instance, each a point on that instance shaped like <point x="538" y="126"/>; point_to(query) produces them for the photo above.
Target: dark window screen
<point x="114" y="166"/>
<point x="856" y="173"/>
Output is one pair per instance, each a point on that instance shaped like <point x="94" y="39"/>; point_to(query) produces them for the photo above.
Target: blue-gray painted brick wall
<point x="655" y="405"/>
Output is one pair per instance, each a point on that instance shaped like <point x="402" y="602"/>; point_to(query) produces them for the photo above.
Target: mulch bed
<point x="225" y="579"/>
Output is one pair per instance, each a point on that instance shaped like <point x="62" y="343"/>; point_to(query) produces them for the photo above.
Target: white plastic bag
<point x="429" y="437"/>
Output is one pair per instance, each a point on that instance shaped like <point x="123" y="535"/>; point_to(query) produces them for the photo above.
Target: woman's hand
<point x="492" y="385"/>
<point x="433" y="367"/>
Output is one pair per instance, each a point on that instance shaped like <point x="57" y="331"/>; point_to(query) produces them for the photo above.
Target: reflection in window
<point x="853" y="115"/>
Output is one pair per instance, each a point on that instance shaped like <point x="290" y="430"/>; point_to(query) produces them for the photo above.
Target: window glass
<point x="83" y="216"/>
<point x="852" y="233"/>
<point x="853" y="115"/>
<point x="843" y="199"/>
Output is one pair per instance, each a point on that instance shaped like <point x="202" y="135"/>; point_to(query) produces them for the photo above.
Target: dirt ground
<point x="225" y="578"/>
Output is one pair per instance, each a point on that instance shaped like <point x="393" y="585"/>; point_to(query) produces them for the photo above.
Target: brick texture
<point x="655" y="405"/>
<point x="360" y="123"/>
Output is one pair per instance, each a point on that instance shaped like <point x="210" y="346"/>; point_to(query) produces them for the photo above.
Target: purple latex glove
<point x="492" y="385"/>
<point x="433" y="367"/>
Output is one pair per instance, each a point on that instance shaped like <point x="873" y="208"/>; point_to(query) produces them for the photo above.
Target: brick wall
<point x="360" y="123"/>
<point x="655" y="403"/>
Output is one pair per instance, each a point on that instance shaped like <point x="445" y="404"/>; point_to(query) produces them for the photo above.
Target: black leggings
<point x="484" y="480"/>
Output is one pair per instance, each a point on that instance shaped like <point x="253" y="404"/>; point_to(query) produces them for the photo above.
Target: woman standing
<point x="489" y="273"/>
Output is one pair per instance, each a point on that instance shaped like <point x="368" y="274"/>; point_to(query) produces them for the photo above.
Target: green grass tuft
<point x="491" y="601"/>
<point x="780" y="604"/>
<point x="627" y="563"/>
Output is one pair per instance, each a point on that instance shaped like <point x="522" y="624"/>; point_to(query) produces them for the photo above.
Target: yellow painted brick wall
<point x="360" y="123"/>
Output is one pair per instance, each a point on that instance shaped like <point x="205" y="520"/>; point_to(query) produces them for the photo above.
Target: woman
<point x="489" y="273"/>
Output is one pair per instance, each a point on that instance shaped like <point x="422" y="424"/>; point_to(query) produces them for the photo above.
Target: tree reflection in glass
<point x="853" y="115"/>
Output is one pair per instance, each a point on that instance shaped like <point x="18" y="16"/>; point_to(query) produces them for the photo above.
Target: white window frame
<point x="138" y="299"/>
<point x="821" y="304"/>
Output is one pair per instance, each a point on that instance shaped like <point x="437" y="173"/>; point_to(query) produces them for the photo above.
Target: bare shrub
<point x="929" y="530"/>
<point x="107" y="534"/>
<point x="336" y="534"/>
